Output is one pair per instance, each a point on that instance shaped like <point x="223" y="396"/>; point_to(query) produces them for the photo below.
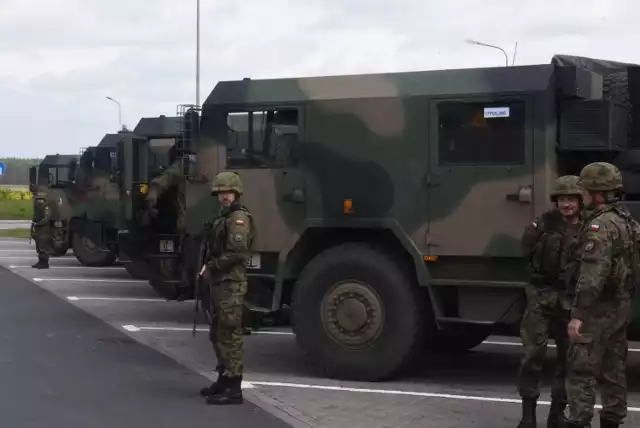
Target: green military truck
<point x="389" y="207"/>
<point x="53" y="178"/>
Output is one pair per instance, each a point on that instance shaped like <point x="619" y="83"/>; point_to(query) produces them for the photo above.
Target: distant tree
<point x="17" y="170"/>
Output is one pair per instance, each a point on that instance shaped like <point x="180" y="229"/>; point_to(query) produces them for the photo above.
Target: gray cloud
<point x="60" y="58"/>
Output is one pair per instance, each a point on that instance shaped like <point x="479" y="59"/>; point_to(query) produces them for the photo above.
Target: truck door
<point x="480" y="179"/>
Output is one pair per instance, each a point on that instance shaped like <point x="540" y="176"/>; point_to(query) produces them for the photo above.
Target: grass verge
<point x="11" y="209"/>
<point x="15" y="233"/>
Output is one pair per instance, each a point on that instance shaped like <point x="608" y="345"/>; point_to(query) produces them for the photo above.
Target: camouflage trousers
<point x="544" y="317"/>
<point x="225" y="332"/>
<point x="599" y="359"/>
<point x="44" y="247"/>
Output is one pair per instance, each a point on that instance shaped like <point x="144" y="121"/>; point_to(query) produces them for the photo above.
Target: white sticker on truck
<point x="492" y="112"/>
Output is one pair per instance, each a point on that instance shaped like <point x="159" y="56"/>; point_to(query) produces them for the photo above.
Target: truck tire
<point x="90" y="254"/>
<point x="357" y="313"/>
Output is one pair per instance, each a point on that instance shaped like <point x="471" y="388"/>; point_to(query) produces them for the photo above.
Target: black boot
<point x="556" y="414"/>
<point x="42" y="264"/>
<point x="215" y="388"/>
<point x="606" y="423"/>
<point x="528" y="413"/>
<point x="570" y="424"/>
<point x="232" y="393"/>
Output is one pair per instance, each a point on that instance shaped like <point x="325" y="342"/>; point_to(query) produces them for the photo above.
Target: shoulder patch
<point x="534" y="224"/>
<point x="594" y="227"/>
<point x="239" y="222"/>
<point x="588" y="246"/>
<point x="237" y="237"/>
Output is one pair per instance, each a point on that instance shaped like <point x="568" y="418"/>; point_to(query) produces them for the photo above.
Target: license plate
<point x="166" y="246"/>
<point x="57" y="223"/>
<point x="254" y="262"/>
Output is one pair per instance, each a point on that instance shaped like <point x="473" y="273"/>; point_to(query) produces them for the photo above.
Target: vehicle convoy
<point x="389" y="207"/>
<point x="97" y="212"/>
<point x="84" y="194"/>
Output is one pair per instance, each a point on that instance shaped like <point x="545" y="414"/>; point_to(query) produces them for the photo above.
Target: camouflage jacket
<point x="606" y="263"/>
<point x="546" y="243"/>
<point x="229" y="243"/>
<point x="169" y="178"/>
<point x="41" y="214"/>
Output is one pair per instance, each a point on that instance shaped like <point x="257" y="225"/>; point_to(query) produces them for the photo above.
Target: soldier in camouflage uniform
<point x="546" y="243"/>
<point x="228" y="245"/>
<point x="603" y="282"/>
<point x="42" y="232"/>
<point x="169" y="178"/>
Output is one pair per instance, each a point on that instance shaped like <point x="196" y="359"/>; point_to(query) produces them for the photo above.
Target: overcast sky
<point x="60" y="58"/>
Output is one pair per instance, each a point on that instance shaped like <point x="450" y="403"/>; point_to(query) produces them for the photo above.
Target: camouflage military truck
<point x="54" y="178"/>
<point x="97" y="207"/>
<point x="389" y="207"/>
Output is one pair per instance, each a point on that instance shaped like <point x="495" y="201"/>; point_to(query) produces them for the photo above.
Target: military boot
<point x="606" y="423"/>
<point x="528" y="413"/>
<point x="556" y="414"/>
<point x="232" y="393"/>
<point x="216" y="387"/>
<point x="42" y="264"/>
<point x="571" y="424"/>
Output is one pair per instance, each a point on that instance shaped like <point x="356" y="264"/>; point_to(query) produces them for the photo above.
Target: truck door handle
<point x="523" y="195"/>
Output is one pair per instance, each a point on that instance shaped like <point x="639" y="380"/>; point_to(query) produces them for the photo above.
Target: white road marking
<point x="117" y="299"/>
<point x="137" y="281"/>
<point x="13" y="250"/>
<point x="72" y="267"/>
<point x="252" y="384"/>
<point x="142" y="328"/>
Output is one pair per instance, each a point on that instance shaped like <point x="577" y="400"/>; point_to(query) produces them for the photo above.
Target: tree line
<point x="17" y="170"/>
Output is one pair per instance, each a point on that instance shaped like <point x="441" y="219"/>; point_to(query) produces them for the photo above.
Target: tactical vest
<point x="549" y="255"/>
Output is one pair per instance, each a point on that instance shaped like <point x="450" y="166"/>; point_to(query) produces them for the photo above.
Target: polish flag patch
<point x="594" y="227"/>
<point x="240" y="222"/>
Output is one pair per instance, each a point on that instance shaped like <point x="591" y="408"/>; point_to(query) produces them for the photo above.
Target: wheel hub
<point x="352" y="314"/>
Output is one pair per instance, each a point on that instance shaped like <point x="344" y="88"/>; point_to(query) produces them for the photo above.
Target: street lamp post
<point x="197" y="53"/>
<point x="119" y="110"/>
<point x="475" y="42"/>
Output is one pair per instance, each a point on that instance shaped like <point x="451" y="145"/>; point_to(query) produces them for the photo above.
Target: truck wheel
<point x="89" y="254"/>
<point x="357" y="314"/>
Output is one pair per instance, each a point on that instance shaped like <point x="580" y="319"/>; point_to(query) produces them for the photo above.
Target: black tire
<point x="401" y="307"/>
<point x="60" y="250"/>
<point x="137" y="269"/>
<point x="161" y="271"/>
<point x="90" y="254"/>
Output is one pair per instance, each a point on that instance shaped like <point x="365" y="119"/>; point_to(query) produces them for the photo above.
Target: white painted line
<point x="130" y="328"/>
<point x="72" y="267"/>
<point x="13" y="250"/>
<point x="499" y="343"/>
<point x="117" y="299"/>
<point x="152" y="328"/>
<point x="137" y="281"/>
<point x="400" y="392"/>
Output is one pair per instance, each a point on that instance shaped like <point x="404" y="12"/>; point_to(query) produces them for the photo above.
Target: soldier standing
<point x="228" y="243"/>
<point x="546" y="243"/>
<point x="606" y="262"/>
<point x="42" y="232"/>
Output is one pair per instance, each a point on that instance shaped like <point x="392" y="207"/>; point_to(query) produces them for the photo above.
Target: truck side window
<point x="481" y="133"/>
<point x="272" y="142"/>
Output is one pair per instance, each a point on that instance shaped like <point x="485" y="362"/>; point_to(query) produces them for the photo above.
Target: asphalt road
<point x="472" y="390"/>
<point x="15" y="224"/>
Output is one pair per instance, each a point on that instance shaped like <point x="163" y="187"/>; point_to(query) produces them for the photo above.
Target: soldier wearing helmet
<point x="41" y="231"/>
<point x="546" y="243"/>
<point x="605" y="260"/>
<point x="228" y="246"/>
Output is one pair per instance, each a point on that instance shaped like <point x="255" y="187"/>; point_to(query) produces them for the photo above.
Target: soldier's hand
<point x="573" y="330"/>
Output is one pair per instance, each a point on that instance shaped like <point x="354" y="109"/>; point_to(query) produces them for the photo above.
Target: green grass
<point x="14" y="187"/>
<point x="11" y="209"/>
<point x="15" y="233"/>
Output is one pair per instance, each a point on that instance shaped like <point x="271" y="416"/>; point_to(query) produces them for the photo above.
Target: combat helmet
<point x="600" y="177"/>
<point x="567" y="185"/>
<point x="227" y="182"/>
